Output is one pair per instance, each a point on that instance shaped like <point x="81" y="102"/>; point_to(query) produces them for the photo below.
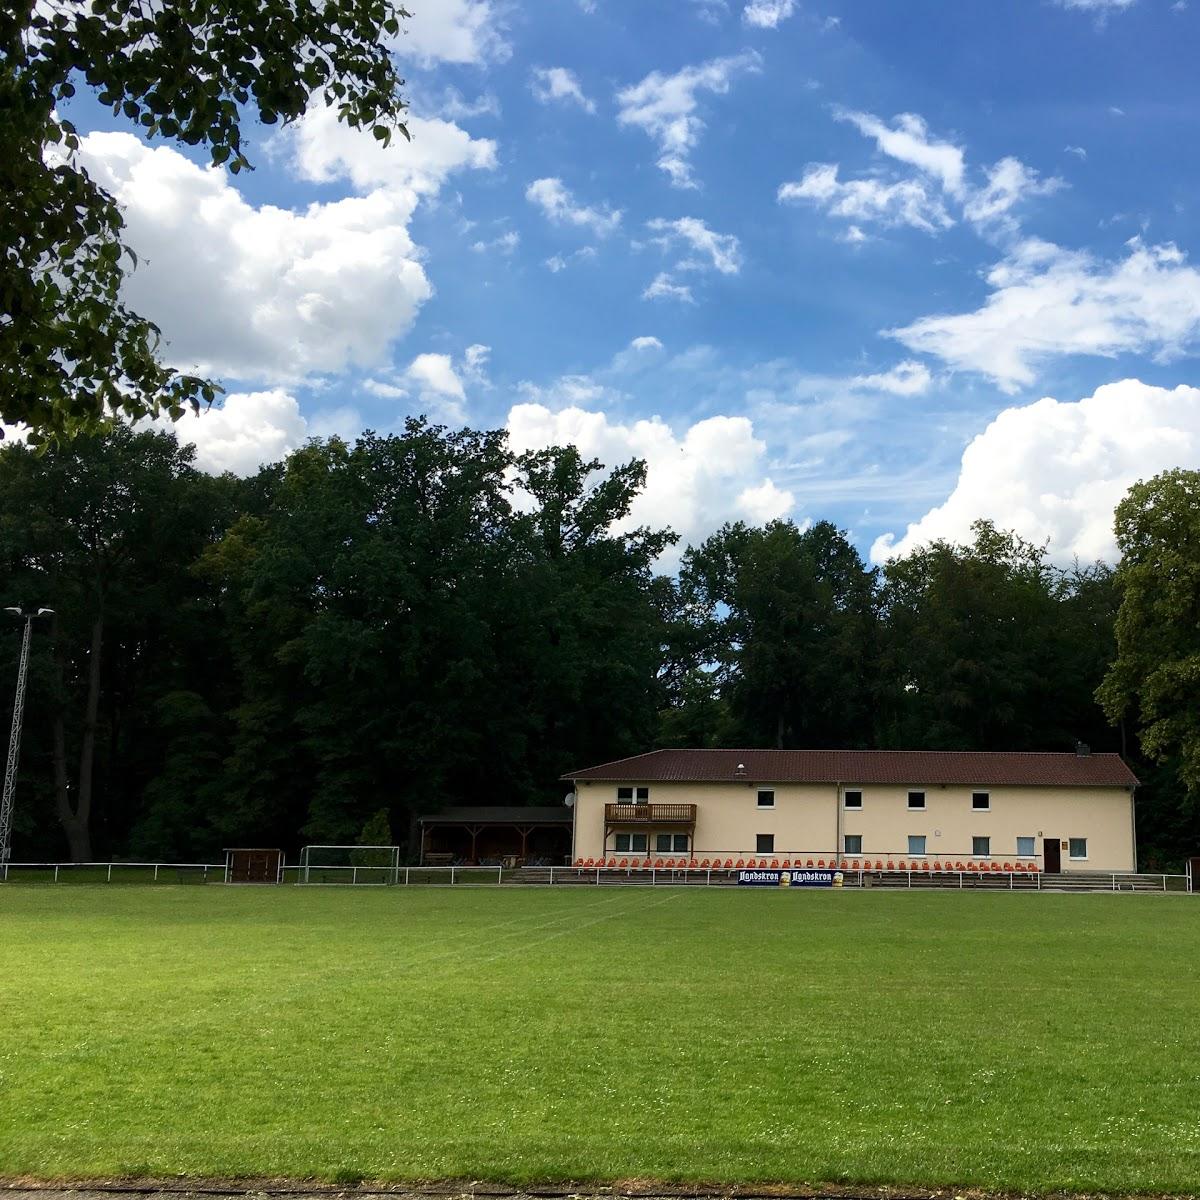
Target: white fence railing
<point x="460" y="876"/>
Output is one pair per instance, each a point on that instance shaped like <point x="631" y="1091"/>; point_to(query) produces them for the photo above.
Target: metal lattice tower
<point x="14" y="749"/>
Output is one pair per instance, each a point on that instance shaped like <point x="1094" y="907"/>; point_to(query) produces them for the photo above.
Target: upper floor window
<point x="916" y="800"/>
<point x="853" y="843"/>
<point x="765" y="843"/>
<point x="766" y="799"/>
<point x="852" y="799"/>
<point x="981" y="801"/>
<point x="633" y="795"/>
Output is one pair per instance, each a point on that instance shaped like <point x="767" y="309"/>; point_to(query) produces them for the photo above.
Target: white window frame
<point x="846" y="800"/>
<point x="672" y="849"/>
<point x="764" y="835"/>
<point x="645" y="850"/>
<point x="917" y="807"/>
<point x="924" y="842"/>
<point x="1071" y="855"/>
<point x="981" y="837"/>
<point x="846" y="843"/>
<point x="637" y="794"/>
<point x="987" y="807"/>
<point x="1031" y="852"/>
<point x="765" y="792"/>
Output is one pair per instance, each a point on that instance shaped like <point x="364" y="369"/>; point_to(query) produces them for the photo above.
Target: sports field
<point x="1016" y="1042"/>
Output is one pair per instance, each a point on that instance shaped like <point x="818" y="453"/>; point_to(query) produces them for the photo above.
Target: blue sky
<point x="811" y="260"/>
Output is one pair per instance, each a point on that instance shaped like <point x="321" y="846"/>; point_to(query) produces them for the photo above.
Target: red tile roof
<point x="931" y="767"/>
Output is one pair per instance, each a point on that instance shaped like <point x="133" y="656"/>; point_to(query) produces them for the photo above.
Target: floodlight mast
<point x="14" y="737"/>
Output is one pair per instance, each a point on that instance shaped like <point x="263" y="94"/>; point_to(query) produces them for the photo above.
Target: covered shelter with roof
<point x="515" y="835"/>
<point x="1056" y="811"/>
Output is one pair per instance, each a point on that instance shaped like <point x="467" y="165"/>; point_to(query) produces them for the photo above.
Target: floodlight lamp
<point x="45" y="612"/>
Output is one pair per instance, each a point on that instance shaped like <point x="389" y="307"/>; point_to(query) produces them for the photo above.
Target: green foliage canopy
<point x="71" y="352"/>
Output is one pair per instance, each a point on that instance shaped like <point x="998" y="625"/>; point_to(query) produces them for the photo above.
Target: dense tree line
<point x="425" y="619"/>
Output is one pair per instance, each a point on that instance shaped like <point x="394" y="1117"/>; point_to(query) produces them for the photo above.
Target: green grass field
<point x="1016" y="1042"/>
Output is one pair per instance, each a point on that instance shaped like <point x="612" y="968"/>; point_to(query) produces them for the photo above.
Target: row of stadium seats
<point x="852" y="864"/>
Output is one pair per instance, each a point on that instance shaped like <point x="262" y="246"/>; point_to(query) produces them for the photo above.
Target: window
<point x="981" y="801"/>
<point x="916" y="800"/>
<point x="671" y="843"/>
<point x="632" y="843"/>
<point x="981" y="847"/>
<point x="853" y="843"/>
<point x="766" y="799"/>
<point x="1078" y="847"/>
<point x="852" y="799"/>
<point x="916" y="843"/>
<point x="766" y="843"/>
<point x="631" y="795"/>
<point x="624" y="795"/>
<point x="1026" y="847"/>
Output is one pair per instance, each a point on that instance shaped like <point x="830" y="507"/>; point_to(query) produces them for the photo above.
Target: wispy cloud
<point x="559" y="85"/>
<point x="559" y="205"/>
<point x="665" y="107"/>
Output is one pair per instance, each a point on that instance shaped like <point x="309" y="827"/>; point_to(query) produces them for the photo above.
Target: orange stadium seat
<point x="728" y="863"/>
<point x="741" y="862"/>
<point x="1008" y="867"/>
<point x="787" y="862"/>
<point x="900" y="866"/>
<point x="693" y="863"/>
<point x="925" y="866"/>
<point x="854" y="864"/>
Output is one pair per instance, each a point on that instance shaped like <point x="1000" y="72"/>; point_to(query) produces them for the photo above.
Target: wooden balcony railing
<point x="650" y="814"/>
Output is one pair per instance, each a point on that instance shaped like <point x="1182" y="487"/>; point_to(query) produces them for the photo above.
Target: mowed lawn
<point x="1017" y="1042"/>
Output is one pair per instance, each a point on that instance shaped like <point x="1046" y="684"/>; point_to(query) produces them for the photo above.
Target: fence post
<point x="652" y="874"/>
<point x="960" y="882"/>
<point x="1164" y="883"/>
<point x="597" y="876"/>
<point x="500" y="873"/>
<point x="109" y="879"/>
<point x="56" y="872"/>
<point x="156" y="872"/>
<point x="452" y="874"/>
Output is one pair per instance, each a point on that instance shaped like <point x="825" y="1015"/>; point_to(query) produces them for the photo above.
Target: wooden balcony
<point x="649" y="814"/>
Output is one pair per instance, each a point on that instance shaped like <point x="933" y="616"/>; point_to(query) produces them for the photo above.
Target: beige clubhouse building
<point x="1062" y="812"/>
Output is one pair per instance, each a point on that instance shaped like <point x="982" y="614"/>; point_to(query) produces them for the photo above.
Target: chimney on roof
<point x="1082" y="749"/>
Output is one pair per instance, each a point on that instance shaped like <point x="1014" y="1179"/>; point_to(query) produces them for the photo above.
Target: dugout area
<point x="494" y="836"/>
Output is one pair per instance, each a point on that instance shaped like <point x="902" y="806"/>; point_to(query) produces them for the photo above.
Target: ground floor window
<point x="1026" y="847"/>
<point x="765" y="843"/>
<point x="981" y="847"/>
<point x="1078" y="847"/>
<point x="632" y="843"/>
<point x="853" y="843"/>
<point x="916" y="843"/>
<point x="671" y="843"/>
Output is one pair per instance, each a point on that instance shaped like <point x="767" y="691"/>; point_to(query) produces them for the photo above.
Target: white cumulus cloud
<point x="908" y="378"/>
<point x="665" y="107"/>
<point x="261" y="293"/>
<point x="559" y="205"/>
<point x="1047" y="301"/>
<point x="244" y="432"/>
<point x="1054" y="471"/>
<point x="717" y="251"/>
<point x="713" y="472"/>
<point x="558" y="83"/>
<point x="908" y="140"/>
<point x="903" y="202"/>
<point x="452" y="31"/>
<point x="767" y="14"/>
<point x="663" y="287"/>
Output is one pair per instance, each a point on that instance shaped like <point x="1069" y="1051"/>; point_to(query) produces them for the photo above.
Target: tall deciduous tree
<point x="104" y="531"/>
<point x="791" y="631"/>
<point x="189" y="70"/>
<point x="1155" y="677"/>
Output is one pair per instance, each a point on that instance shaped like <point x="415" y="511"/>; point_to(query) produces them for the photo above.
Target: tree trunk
<point x="75" y="819"/>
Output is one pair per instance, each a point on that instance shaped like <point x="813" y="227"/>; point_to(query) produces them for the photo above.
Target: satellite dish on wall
<point x="569" y="799"/>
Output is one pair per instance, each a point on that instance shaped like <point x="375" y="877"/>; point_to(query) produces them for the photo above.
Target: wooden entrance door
<point x="1051" y="855"/>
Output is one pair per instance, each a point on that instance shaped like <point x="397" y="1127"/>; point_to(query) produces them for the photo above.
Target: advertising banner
<point x="788" y="878"/>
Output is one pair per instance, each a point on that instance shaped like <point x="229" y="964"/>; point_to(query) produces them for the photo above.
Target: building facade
<point x="1065" y="812"/>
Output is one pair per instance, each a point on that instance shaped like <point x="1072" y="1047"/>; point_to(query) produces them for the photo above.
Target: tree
<point x="190" y="70"/>
<point x="982" y="647"/>
<point x="104" y="531"/>
<point x="789" y="616"/>
<point x="1155" y="677"/>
